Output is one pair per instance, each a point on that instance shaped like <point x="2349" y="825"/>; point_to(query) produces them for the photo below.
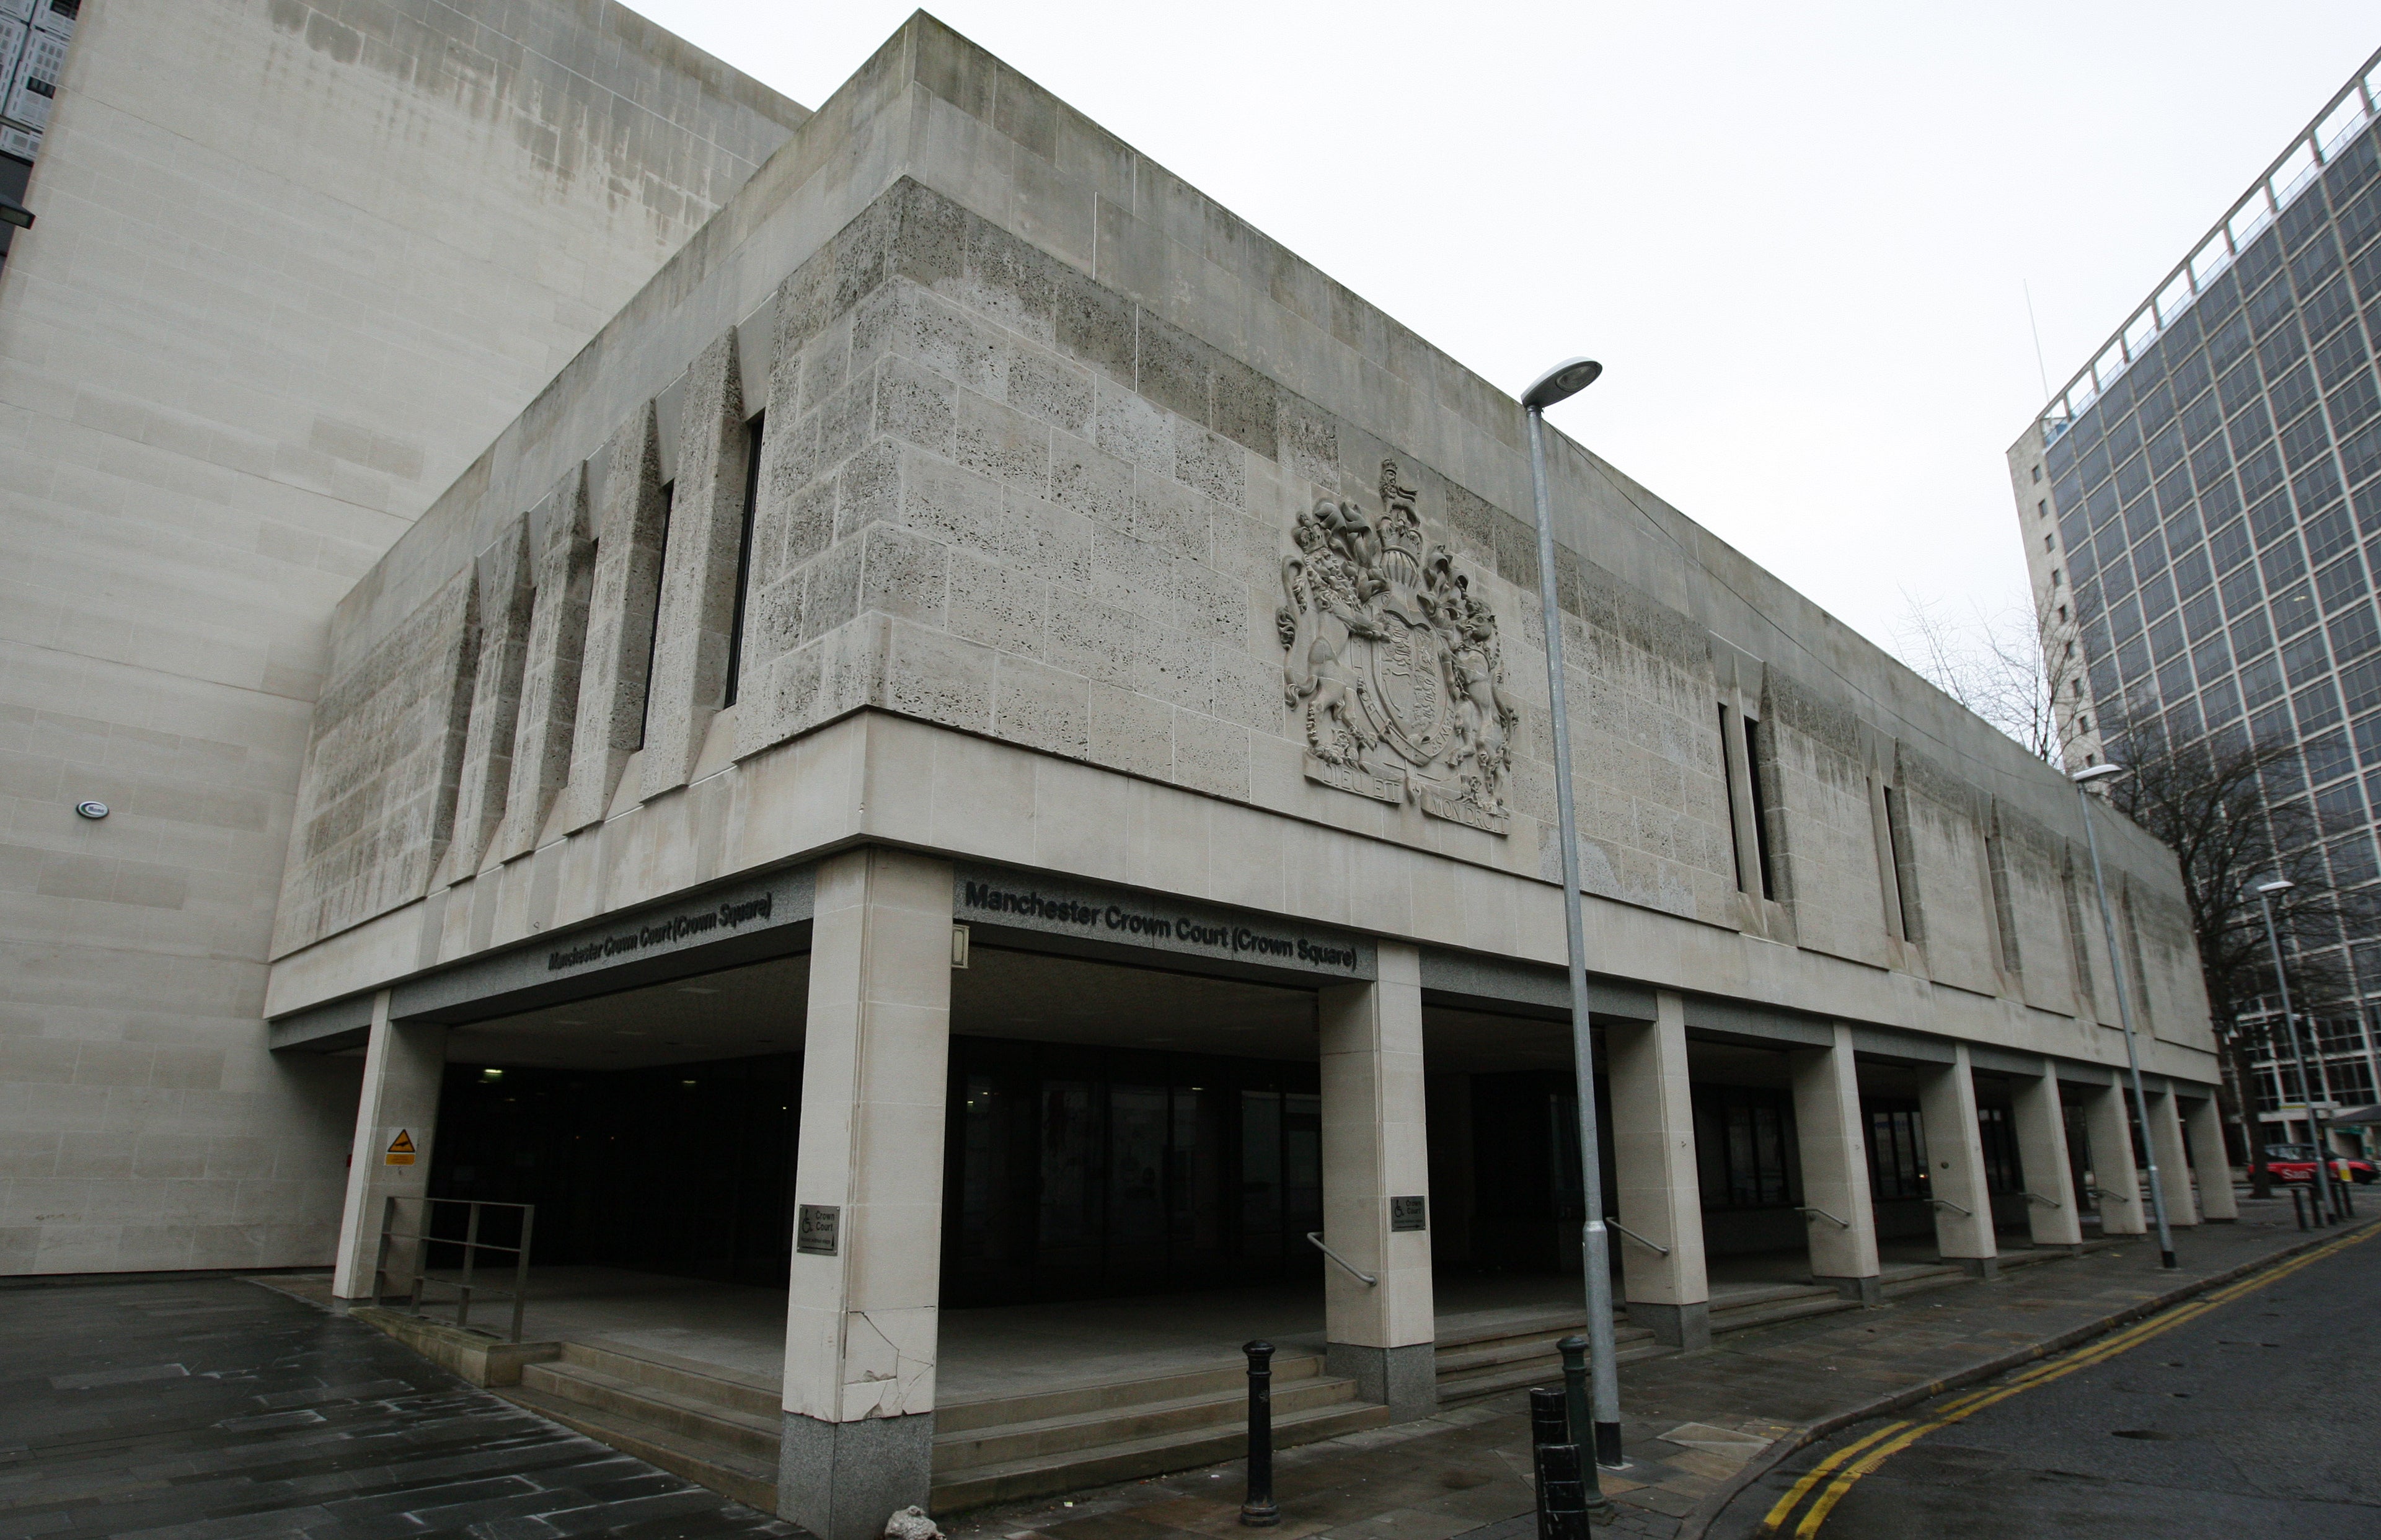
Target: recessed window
<point x="653" y="633"/>
<point x="2050" y="541"/>
<point x="2043" y="508"/>
<point x="2062" y="614"/>
<point x="743" y="557"/>
<point x="2037" y="473"/>
<point x="2055" y="578"/>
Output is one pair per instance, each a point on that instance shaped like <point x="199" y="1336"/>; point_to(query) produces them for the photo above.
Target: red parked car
<point x="2296" y="1163"/>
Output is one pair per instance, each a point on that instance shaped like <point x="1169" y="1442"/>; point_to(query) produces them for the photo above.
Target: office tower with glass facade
<point x="2202" y="515"/>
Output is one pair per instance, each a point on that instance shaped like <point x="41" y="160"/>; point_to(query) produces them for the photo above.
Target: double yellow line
<point x="1835" y="1476"/>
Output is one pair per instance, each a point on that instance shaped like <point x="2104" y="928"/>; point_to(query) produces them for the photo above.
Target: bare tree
<point x="2212" y="803"/>
<point x="2007" y="666"/>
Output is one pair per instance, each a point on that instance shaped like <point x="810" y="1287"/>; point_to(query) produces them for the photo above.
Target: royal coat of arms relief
<point x="1395" y="666"/>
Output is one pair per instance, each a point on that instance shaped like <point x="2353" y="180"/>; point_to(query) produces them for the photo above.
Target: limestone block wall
<point x="297" y="264"/>
<point x="1058" y="456"/>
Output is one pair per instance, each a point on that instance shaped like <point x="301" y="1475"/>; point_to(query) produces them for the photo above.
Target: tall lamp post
<point x="1559" y="383"/>
<point x="2083" y="779"/>
<point x="2266" y="891"/>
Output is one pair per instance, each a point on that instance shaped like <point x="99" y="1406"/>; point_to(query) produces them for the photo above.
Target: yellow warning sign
<point x="400" y="1149"/>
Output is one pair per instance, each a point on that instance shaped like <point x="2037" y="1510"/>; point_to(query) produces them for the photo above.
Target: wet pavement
<point x="2246" y="1414"/>
<point x="205" y="1409"/>
<point x="1691" y="1425"/>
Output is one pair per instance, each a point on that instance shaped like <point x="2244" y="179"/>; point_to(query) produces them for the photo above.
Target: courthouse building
<point x="984" y="743"/>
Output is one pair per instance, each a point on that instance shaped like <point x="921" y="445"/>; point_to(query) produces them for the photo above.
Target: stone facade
<point x="296" y="264"/>
<point x="1086" y="510"/>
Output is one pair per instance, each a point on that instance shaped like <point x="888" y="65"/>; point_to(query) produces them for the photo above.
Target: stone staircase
<point x="694" y="1421"/>
<point x="1506" y="1356"/>
<point x="721" y="1430"/>
<point x="1055" y="1441"/>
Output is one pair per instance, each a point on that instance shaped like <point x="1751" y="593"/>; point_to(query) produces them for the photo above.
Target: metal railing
<point x="1650" y="1245"/>
<point x="1366" y="1278"/>
<point x="1947" y="1202"/>
<point x="465" y="1289"/>
<point x="1808" y="1212"/>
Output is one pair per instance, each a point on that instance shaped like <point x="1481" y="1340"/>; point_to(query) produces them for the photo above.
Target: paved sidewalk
<point x="1689" y="1425"/>
<point x="209" y="1408"/>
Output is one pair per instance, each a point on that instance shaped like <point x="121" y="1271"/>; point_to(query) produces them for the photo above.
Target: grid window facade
<point x="2218" y="508"/>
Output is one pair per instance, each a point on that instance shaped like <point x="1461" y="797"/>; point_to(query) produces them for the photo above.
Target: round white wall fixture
<point x="92" y="809"/>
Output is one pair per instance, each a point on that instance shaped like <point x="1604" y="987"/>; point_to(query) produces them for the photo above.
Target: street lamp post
<point x="2083" y="778"/>
<point x="2266" y="891"/>
<point x="1559" y="383"/>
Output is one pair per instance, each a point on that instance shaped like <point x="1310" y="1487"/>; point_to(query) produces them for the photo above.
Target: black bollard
<point x="1574" y="1361"/>
<point x="1562" y="1489"/>
<point x="2298" y="1208"/>
<point x="1260" y="1511"/>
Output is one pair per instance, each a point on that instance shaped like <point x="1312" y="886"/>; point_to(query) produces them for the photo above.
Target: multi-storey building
<point x="293" y="265"/>
<point x="2200" y="507"/>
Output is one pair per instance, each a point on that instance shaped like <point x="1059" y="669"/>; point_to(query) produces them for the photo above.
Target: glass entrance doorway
<point x="1076" y="1171"/>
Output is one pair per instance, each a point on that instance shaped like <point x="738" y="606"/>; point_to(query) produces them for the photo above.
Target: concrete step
<point x="1015" y="1443"/>
<point x="1217" y="1379"/>
<point x="731" y="1474"/>
<point x="1925" y="1278"/>
<point x="1802" y="1302"/>
<point x="707" y="1382"/>
<point x="701" y="1420"/>
<point x="1522" y="1375"/>
<point x="1047" y="1474"/>
<point x="1469" y="1356"/>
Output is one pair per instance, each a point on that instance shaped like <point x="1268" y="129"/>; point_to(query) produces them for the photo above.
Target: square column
<point x="1954" y="1148"/>
<point x="1654" y="1169"/>
<point x="2113" y="1172"/>
<point x="1841" y="1224"/>
<point x="861" y="1301"/>
<point x="1377" y="1187"/>
<point x="2039" y="1118"/>
<point x="404" y="1063"/>
<point x="2203" y="1128"/>
<point x="2173" y="1164"/>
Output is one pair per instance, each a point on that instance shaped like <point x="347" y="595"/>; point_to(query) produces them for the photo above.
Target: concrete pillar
<point x="2039" y="1120"/>
<point x="2174" y="1166"/>
<point x="2203" y="1126"/>
<point x="1654" y="1169"/>
<point x="1842" y="1225"/>
<point x="1376" y="1185"/>
<point x="404" y="1063"/>
<point x="1955" y="1151"/>
<point x="861" y="1309"/>
<point x="2119" y="1180"/>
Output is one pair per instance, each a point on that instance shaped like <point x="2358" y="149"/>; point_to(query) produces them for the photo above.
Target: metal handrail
<point x="1806" y="1211"/>
<point x="2104" y="1192"/>
<point x="1947" y="1202"/>
<point x="1651" y="1246"/>
<point x="2033" y="1196"/>
<point x="471" y="1244"/>
<point x="1366" y="1277"/>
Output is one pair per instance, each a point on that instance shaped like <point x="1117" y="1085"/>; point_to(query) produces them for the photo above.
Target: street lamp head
<point x="2278" y="885"/>
<point x="1561" y="383"/>
<point x="2096" y="772"/>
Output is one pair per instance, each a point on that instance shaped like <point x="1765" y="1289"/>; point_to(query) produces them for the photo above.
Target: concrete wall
<point x="1044" y="425"/>
<point x="296" y="264"/>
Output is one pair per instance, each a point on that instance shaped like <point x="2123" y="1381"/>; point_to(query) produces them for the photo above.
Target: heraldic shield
<point x="1395" y="666"/>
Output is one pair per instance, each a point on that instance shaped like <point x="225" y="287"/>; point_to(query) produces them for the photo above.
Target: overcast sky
<point x="1799" y="235"/>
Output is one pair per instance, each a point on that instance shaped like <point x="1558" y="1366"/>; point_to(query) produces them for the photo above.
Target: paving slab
<point x="212" y="1409"/>
<point x="1735" y="1404"/>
